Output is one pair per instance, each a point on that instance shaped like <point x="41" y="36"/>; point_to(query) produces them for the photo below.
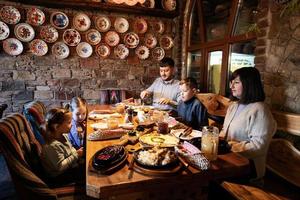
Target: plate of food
<point x="35" y="17"/>
<point x="10" y="15"/>
<point x="156" y="139"/>
<point x="179" y="134"/>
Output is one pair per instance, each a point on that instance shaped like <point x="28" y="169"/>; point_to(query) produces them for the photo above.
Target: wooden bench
<point x="283" y="159"/>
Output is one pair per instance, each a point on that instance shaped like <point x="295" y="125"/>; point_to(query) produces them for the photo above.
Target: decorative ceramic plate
<point x="121" y="51"/>
<point x="150" y="40"/>
<point x="24" y="32"/>
<point x="103" y="50"/>
<point x="93" y="37"/>
<point x="149" y="4"/>
<point x="71" y="37"/>
<point x="4" y="31"/>
<point x="84" y="50"/>
<point x="12" y="46"/>
<point x="49" y="34"/>
<point x="142" y="52"/>
<point x="140" y="25"/>
<point x="81" y="22"/>
<point x="10" y="15"/>
<point x="158" y="27"/>
<point x="121" y="25"/>
<point x="130" y="2"/>
<point x="158" y="53"/>
<point x="168" y="5"/>
<point x="166" y="42"/>
<point x="60" y="50"/>
<point x="38" y="47"/>
<point x="131" y="40"/>
<point x="103" y="23"/>
<point x="112" y="38"/>
<point x="35" y="17"/>
<point x="59" y="20"/>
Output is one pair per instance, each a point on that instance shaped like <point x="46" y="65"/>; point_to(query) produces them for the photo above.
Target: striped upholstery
<point x="21" y="151"/>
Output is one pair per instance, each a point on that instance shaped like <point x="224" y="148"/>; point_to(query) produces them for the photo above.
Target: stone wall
<point x="27" y="77"/>
<point x="278" y="56"/>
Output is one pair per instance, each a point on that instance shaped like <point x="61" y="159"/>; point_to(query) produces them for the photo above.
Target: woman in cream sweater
<point x="249" y="124"/>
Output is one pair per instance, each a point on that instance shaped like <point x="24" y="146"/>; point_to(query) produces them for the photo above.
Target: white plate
<point x="24" y="32"/>
<point x="38" y="47"/>
<point x="59" y="20"/>
<point x="194" y="134"/>
<point x="150" y="40"/>
<point x="93" y="37"/>
<point x="112" y="38"/>
<point x="60" y="50"/>
<point x="12" y="46"/>
<point x="4" y="31"/>
<point x="166" y="42"/>
<point x="81" y="22"/>
<point x="84" y="50"/>
<point x="35" y="17"/>
<point x="121" y="51"/>
<point x="10" y="14"/>
<point x="140" y="25"/>
<point x="103" y="50"/>
<point x="168" y="5"/>
<point x="121" y="25"/>
<point x="99" y="126"/>
<point x="103" y="23"/>
<point x="131" y="40"/>
<point x="71" y="37"/>
<point x="158" y="53"/>
<point x="49" y="34"/>
<point x="142" y="52"/>
<point x="96" y="116"/>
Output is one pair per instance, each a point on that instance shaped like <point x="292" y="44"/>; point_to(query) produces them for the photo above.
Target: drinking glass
<point x="112" y="123"/>
<point x="209" y="142"/>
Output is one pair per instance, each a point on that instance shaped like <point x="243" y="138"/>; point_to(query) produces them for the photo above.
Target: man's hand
<point x="165" y="101"/>
<point x="80" y="152"/>
<point x="144" y="94"/>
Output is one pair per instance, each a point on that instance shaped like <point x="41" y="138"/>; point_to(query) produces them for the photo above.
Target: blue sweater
<point x="74" y="136"/>
<point x="193" y="113"/>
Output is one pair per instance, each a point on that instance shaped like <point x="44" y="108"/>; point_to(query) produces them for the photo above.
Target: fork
<point x="186" y="132"/>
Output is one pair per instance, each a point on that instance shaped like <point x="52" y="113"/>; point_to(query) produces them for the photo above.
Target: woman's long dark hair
<point x="252" y="86"/>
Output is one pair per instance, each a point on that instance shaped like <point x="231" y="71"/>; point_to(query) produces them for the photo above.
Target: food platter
<point x="156" y="139"/>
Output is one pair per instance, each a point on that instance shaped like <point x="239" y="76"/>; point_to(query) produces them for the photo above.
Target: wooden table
<point x="120" y="186"/>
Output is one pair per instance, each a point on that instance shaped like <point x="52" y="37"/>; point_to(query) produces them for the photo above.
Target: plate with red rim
<point x="150" y="40"/>
<point x="24" y="32"/>
<point x="35" y="17"/>
<point x="38" y="47"/>
<point x="103" y="50"/>
<point x="10" y="14"/>
<point x="131" y="40"/>
<point x="112" y="38"/>
<point x="142" y="52"/>
<point x="93" y="37"/>
<point x="71" y="37"/>
<point x="158" y="53"/>
<point x="121" y="51"/>
<point x="49" y="34"/>
<point x="12" y="46"/>
<point x="81" y="22"/>
<point x="168" y="5"/>
<point x="4" y="31"/>
<point x="158" y="27"/>
<point x="166" y="42"/>
<point x="140" y="25"/>
<point x="60" y="50"/>
<point x="103" y="23"/>
<point x="121" y="25"/>
<point x="84" y="50"/>
<point x="59" y="20"/>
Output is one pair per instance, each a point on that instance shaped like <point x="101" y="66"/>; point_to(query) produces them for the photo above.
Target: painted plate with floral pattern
<point x="158" y="53"/>
<point x="140" y="25"/>
<point x="112" y="38"/>
<point x="142" y="52"/>
<point x="121" y="51"/>
<point x="168" y="5"/>
<point x="150" y="40"/>
<point x="49" y="34"/>
<point x="59" y="20"/>
<point x="158" y="27"/>
<point x="149" y="4"/>
<point x="35" y="17"/>
<point x="71" y="37"/>
<point x="10" y="15"/>
<point x="93" y="37"/>
<point x="12" y="46"/>
<point x="103" y="23"/>
<point x="38" y="47"/>
<point x="60" y="50"/>
<point x="103" y="50"/>
<point x="4" y="31"/>
<point x="131" y="40"/>
<point x="81" y="22"/>
<point x="121" y="25"/>
<point x="24" y="32"/>
<point x="166" y="42"/>
<point x="84" y="49"/>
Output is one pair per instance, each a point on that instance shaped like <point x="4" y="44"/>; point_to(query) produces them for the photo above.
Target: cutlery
<point x="186" y="132"/>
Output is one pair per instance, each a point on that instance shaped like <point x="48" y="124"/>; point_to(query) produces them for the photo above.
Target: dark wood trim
<point x="233" y="16"/>
<point x="202" y="22"/>
<point x="83" y="5"/>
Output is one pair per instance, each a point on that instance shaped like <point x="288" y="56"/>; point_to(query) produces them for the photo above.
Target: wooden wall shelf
<point x="87" y="5"/>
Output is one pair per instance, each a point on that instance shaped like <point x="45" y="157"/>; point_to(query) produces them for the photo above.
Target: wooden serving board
<point x="162" y="172"/>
